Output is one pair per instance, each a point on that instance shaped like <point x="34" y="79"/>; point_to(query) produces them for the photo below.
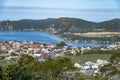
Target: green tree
<point x="115" y="58"/>
<point x="21" y="70"/>
<point x="56" y="68"/>
<point x="6" y="73"/>
<point x="28" y="68"/>
<point x="61" y="44"/>
<point x="1" y="76"/>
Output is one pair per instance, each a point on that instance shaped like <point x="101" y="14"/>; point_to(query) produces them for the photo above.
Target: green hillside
<point x="58" y="25"/>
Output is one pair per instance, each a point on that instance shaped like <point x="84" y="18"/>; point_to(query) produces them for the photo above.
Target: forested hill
<point x="58" y="25"/>
<point x="111" y="25"/>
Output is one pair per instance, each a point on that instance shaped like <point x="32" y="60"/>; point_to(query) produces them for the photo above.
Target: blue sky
<point x="92" y="10"/>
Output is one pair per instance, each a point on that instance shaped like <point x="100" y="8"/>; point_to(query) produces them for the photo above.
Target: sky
<point x="91" y="10"/>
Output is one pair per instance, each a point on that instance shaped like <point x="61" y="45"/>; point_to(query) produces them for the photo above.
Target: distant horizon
<point x="61" y="17"/>
<point x="90" y="10"/>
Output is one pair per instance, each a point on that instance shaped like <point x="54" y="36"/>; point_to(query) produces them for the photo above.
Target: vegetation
<point x="93" y="39"/>
<point x="28" y="68"/>
<point x="113" y="69"/>
<point x="80" y="76"/>
<point x="61" y="25"/>
<point x="61" y="44"/>
<point x="109" y="71"/>
<point x="92" y="55"/>
<point x="81" y="59"/>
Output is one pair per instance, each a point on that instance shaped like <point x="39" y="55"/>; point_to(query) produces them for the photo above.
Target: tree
<point x="29" y="68"/>
<point x="54" y="69"/>
<point x="61" y="44"/>
<point x="115" y="58"/>
<point x="6" y="73"/>
<point x="1" y="76"/>
<point x="21" y="70"/>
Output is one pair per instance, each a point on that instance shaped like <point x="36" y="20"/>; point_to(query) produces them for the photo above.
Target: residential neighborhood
<point x="13" y="50"/>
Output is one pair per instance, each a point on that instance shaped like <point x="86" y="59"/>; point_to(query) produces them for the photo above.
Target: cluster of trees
<point x="28" y="68"/>
<point x="61" y="44"/>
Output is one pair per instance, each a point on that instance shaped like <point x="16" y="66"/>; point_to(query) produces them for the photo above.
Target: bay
<point x="42" y="37"/>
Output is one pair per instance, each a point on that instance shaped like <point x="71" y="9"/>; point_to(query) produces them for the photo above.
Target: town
<point x="36" y="49"/>
<point x="12" y="50"/>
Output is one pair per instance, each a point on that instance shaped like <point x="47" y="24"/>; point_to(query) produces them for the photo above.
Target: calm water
<point x="39" y="37"/>
<point x="29" y="36"/>
<point x="87" y="44"/>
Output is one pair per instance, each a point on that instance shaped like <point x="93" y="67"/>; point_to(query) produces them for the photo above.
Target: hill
<point x="111" y="25"/>
<point x="58" y="25"/>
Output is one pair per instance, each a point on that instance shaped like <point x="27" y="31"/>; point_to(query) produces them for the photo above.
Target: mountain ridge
<point x="63" y="24"/>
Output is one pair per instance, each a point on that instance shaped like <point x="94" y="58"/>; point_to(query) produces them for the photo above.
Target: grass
<point x="6" y="62"/>
<point x="3" y="62"/>
<point x="81" y="59"/>
<point x="81" y="76"/>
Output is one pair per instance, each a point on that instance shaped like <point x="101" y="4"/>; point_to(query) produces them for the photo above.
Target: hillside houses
<point x="91" y="68"/>
<point x="40" y="50"/>
<point x="37" y="49"/>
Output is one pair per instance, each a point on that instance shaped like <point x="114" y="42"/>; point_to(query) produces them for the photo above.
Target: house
<point x="77" y="65"/>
